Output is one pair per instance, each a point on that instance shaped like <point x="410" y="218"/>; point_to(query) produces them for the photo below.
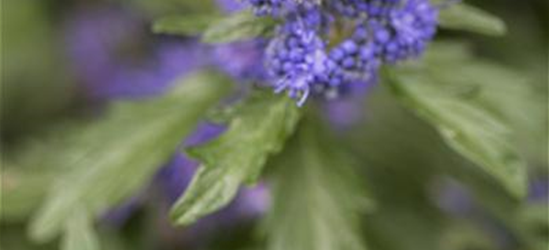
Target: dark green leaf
<point x="111" y="159"/>
<point x="465" y="17"/>
<point x="37" y="90"/>
<point x="533" y="225"/>
<point x="317" y="196"/>
<point x="258" y="129"/>
<point x="467" y="126"/>
<point x="240" y="26"/>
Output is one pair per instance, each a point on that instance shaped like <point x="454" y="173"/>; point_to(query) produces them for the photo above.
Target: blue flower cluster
<point x="303" y="57"/>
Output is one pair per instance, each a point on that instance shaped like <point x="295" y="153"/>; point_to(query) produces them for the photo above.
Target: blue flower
<point x="271" y="7"/>
<point x="299" y="61"/>
<point x="354" y="60"/>
<point x="349" y="8"/>
<point x="363" y="8"/>
<point x="405" y="32"/>
<point x="296" y="59"/>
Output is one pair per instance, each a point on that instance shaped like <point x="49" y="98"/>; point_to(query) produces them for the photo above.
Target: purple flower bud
<point x="241" y="60"/>
<point x="539" y="189"/>
<point x="297" y="72"/>
<point x="271" y="7"/>
<point x="95" y="39"/>
<point x="454" y="198"/>
<point x="230" y="6"/>
<point x="406" y="30"/>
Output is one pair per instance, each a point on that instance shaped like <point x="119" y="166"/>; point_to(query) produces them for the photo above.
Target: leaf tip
<point x="181" y="217"/>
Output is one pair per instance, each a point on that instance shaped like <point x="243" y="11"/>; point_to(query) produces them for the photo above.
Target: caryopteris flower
<point x="405" y="31"/>
<point x="271" y="7"/>
<point x="296" y="59"/>
<point x="302" y="58"/>
<point x="355" y="59"/>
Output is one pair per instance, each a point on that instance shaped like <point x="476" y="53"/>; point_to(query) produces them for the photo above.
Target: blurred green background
<point x="40" y="93"/>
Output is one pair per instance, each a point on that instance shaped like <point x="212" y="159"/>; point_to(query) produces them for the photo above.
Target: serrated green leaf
<point x="111" y="159"/>
<point x="469" y="18"/>
<point x="240" y="26"/>
<point x="79" y="233"/>
<point x="465" y="125"/>
<point x="317" y="196"/>
<point x="185" y="25"/>
<point x="258" y="129"/>
<point x="503" y="91"/>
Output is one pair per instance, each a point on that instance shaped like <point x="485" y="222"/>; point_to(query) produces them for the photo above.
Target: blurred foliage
<point x="35" y="83"/>
<point x="120" y="159"/>
<point x="473" y="111"/>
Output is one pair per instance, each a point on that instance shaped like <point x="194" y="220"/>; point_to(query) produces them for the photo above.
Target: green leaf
<point x="110" y="160"/>
<point x="258" y="129"/>
<point x="317" y="196"/>
<point x="240" y="26"/>
<point x="467" y="126"/>
<point x="185" y="25"/>
<point x="469" y="18"/>
<point x="79" y="233"/>
<point x="503" y="91"/>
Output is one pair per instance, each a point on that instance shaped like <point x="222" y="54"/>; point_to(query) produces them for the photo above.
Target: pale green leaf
<point x="257" y="129"/>
<point x="110" y="160"/>
<point x="79" y="232"/>
<point x="467" y="126"/>
<point x="469" y="18"/>
<point x="240" y="26"/>
<point x="318" y="198"/>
